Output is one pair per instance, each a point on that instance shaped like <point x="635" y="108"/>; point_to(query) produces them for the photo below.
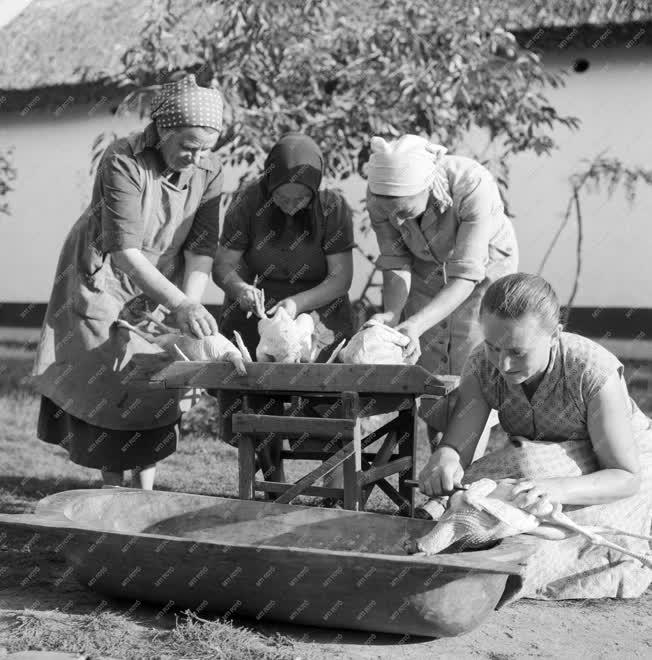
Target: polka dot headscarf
<point x="185" y="103"/>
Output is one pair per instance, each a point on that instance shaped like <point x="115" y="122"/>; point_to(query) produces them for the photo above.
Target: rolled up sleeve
<point x="338" y="236"/>
<point x="394" y="253"/>
<point x="479" y="210"/>
<point x="121" y="190"/>
<point x="235" y="233"/>
<point x="205" y="231"/>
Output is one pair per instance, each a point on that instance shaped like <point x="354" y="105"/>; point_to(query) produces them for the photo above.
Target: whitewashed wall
<point x="613" y="98"/>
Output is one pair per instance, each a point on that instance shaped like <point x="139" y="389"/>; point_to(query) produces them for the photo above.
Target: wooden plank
<point x="387" y="449"/>
<point x="407" y="446"/>
<point x="352" y="466"/>
<point x="381" y="457"/>
<point x="348" y="452"/>
<point x="389" y="490"/>
<point x="277" y="376"/>
<point x="316" y="491"/>
<point x="374" y="474"/>
<point x="292" y="427"/>
<point x="306" y="454"/>
<point x="246" y="460"/>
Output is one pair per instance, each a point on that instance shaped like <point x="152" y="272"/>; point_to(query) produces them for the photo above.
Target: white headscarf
<point x="406" y="167"/>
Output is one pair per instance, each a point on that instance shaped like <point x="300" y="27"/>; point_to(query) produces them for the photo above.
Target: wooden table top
<point x="276" y="376"/>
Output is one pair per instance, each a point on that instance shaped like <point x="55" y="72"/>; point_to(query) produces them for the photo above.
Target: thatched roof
<point x="73" y="42"/>
<point x="58" y="42"/>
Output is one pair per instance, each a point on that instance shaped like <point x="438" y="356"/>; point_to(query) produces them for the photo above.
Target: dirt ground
<point x="42" y="606"/>
<point x="597" y="629"/>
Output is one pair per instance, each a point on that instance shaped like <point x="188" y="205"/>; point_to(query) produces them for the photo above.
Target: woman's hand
<point x="441" y="473"/>
<point x="251" y="299"/>
<point x="386" y="318"/>
<point x="531" y="497"/>
<point x="192" y="318"/>
<point x="413" y="350"/>
<point x="288" y="304"/>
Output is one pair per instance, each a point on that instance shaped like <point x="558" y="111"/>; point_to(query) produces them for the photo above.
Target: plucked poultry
<point x="214" y="348"/>
<point x="376" y="343"/>
<point x="482" y="513"/>
<point x="283" y="339"/>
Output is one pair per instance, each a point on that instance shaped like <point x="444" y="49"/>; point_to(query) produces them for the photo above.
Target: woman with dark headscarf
<point x="148" y="238"/>
<point x="295" y="241"/>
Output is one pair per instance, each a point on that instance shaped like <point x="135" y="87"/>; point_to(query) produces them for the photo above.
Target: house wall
<point x="613" y="99"/>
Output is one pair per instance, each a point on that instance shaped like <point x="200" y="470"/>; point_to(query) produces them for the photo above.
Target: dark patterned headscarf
<point x="185" y="103"/>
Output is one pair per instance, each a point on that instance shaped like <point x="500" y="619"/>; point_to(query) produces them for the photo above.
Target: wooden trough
<point x="305" y="565"/>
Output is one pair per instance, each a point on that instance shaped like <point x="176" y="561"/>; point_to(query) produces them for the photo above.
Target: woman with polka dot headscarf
<point x="148" y="238"/>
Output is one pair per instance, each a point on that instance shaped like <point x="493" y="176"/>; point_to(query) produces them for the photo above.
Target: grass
<point x="42" y="607"/>
<point x="34" y="585"/>
<point x="111" y="633"/>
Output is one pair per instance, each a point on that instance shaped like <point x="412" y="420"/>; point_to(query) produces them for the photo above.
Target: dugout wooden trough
<point x="268" y="561"/>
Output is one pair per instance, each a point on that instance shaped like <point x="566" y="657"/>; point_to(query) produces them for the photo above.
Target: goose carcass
<point x="376" y="343"/>
<point x="283" y="339"/>
<point x="214" y="348"/>
<point x="484" y="513"/>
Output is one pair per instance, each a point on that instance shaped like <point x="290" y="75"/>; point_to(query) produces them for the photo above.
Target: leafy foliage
<point x="7" y="175"/>
<point x="343" y="72"/>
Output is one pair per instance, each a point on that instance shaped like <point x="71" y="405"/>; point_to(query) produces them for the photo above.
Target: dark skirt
<point x="104" y="449"/>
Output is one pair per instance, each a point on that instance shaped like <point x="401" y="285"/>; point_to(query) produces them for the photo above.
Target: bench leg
<point x="246" y="459"/>
<point x="352" y="467"/>
<point x="246" y="467"/>
<point x="407" y="446"/>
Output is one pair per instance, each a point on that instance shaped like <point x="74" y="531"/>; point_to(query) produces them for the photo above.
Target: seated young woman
<point x="295" y="240"/>
<point x="565" y="391"/>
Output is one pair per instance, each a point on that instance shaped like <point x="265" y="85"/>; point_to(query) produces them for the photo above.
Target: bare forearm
<point x="228" y="279"/>
<point x="443" y="304"/>
<point x="598" y="487"/>
<point x="197" y="272"/>
<point x="324" y="293"/>
<point x="148" y="278"/>
<point x="396" y="288"/>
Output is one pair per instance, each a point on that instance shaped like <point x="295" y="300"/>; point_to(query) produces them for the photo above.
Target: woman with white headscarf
<point x="443" y="237"/>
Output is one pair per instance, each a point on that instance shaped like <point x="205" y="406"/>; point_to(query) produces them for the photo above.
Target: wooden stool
<point x="364" y="390"/>
<point x="339" y="438"/>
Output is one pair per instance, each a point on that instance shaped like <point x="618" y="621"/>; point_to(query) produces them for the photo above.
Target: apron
<point x="445" y="346"/>
<point x="83" y="360"/>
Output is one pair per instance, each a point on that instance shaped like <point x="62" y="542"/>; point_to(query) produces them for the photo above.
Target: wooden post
<point x="246" y="459"/>
<point x="407" y="446"/>
<point x="353" y="465"/>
